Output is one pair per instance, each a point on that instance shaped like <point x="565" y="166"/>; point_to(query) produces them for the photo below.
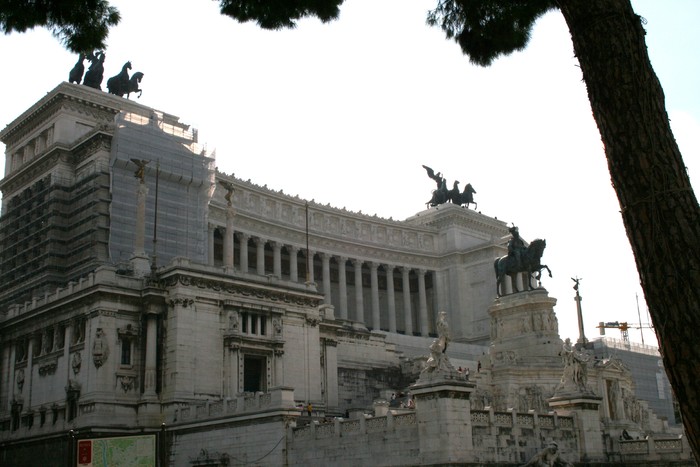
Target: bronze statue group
<point x="119" y="84"/>
<point x="521" y="257"/>
<point x="442" y="195"/>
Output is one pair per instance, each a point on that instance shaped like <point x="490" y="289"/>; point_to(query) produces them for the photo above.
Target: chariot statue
<point x="443" y="195"/>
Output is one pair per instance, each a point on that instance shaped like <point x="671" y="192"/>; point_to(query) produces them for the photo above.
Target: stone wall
<point x="390" y="440"/>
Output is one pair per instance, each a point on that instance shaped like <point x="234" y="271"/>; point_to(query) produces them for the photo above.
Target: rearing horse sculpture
<point x="120" y="83"/>
<point x="529" y="263"/>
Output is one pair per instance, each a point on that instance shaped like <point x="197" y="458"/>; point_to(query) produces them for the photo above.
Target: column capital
<point x="388" y="267"/>
<point x="242" y="236"/>
<point x="260" y="240"/>
<point x="405" y="269"/>
<point x="373" y="265"/>
<point x="275" y="244"/>
<point x="357" y="262"/>
<point x="326" y="256"/>
<point x="422" y="272"/>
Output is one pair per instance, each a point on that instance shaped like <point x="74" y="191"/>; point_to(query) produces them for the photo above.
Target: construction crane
<point x="623" y="327"/>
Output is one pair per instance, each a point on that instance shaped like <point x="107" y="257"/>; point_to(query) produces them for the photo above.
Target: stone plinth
<point x="586" y="407"/>
<point x="443" y="415"/>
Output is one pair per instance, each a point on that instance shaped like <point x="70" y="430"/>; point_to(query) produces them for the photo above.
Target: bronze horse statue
<point x="118" y="84"/>
<point x="133" y="85"/>
<point x="465" y="197"/>
<point x="529" y="263"/>
<point x="76" y="74"/>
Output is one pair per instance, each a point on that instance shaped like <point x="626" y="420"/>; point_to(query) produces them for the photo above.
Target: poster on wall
<point x="124" y="451"/>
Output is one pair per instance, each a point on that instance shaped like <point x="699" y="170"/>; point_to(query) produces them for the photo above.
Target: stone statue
<point x="575" y="376"/>
<point x="548" y="457"/>
<point x="93" y="77"/>
<point x="228" y="186"/>
<point x="520" y="259"/>
<point x="76" y="74"/>
<point x="437" y="361"/>
<point x="141" y="171"/>
<point x="443" y="329"/>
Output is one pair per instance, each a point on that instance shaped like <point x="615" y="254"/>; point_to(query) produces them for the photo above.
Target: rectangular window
<point x="126" y="351"/>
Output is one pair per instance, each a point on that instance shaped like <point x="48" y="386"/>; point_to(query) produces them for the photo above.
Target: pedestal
<point x="443" y="414"/>
<point x="591" y="448"/>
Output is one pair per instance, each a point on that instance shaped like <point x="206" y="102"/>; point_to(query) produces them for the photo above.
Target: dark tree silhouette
<point x="81" y="25"/>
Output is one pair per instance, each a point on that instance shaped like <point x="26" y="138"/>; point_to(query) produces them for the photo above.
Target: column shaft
<point x="326" y="259"/>
<point x="293" y="264"/>
<point x="422" y="305"/>
<point x="407" y="318"/>
<point x="343" y="285"/>
<point x="260" y="256"/>
<point x="376" y="321"/>
<point x="244" y="252"/>
<point x="228" y="239"/>
<point x="277" y="259"/>
<point x="391" y="297"/>
<point x="359" y="306"/>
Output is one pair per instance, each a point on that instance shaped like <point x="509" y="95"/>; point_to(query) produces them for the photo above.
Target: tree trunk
<point x="658" y="205"/>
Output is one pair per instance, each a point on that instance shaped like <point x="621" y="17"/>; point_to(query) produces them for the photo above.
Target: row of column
<point x="423" y="321"/>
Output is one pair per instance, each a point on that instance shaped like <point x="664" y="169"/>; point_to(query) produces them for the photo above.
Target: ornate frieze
<point x="240" y="289"/>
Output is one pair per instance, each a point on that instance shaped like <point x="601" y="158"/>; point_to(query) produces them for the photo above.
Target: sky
<point x="346" y="113"/>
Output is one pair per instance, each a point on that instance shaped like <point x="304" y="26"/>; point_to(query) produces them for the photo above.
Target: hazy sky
<point x="347" y="112"/>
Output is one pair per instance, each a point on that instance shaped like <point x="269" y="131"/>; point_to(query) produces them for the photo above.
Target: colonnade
<point x="376" y="306"/>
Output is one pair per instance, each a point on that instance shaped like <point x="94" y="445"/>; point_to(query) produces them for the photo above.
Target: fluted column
<point x="391" y="298"/>
<point x="326" y="261"/>
<point x="260" y="256"/>
<point x="407" y="319"/>
<point x="244" y="251"/>
<point x="376" y="321"/>
<point x="228" y="238"/>
<point x="422" y="304"/>
<point x="277" y="259"/>
<point x="343" y="285"/>
<point x="293" y="264"/>
<point x="359" y="306"/>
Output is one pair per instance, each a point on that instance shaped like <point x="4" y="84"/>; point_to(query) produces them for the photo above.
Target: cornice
<point x="85" y="97"/>
<point x="243" y="289"/>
